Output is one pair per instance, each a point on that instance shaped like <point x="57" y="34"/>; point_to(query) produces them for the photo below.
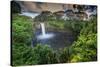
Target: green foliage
<point x="41" y="54"/>
<point x="64" y="55"/>
<point x="21" y="29"/>
<point x="55" y="24"/>
<point x="75" y="25"/>
<point x="44" y="54"/>
<point x="21" y="37"/>
<point x="85" y="48"/>
<point x="20" y="54"/>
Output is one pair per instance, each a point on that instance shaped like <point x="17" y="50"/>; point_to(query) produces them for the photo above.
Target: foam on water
<point x="46" y="36"/>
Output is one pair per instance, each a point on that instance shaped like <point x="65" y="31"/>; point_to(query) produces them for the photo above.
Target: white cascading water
<point x="44" y="35"/>
<point x="43" y="29"/>
<point x="26" y="12"/>
<point x="29" y="14"/>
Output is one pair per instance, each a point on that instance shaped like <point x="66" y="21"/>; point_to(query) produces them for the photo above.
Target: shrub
<point x="85" y="48"/>
<point x="21" y="29"/>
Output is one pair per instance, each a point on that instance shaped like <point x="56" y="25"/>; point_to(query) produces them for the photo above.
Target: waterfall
<point x="43" y="29"/>
<point x="44" y="35"/>
<point x="26" y="12"/>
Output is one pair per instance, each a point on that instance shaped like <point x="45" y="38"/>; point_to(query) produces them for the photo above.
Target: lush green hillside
<point x="83" y="49"/>
<point x="21" y="38"/>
